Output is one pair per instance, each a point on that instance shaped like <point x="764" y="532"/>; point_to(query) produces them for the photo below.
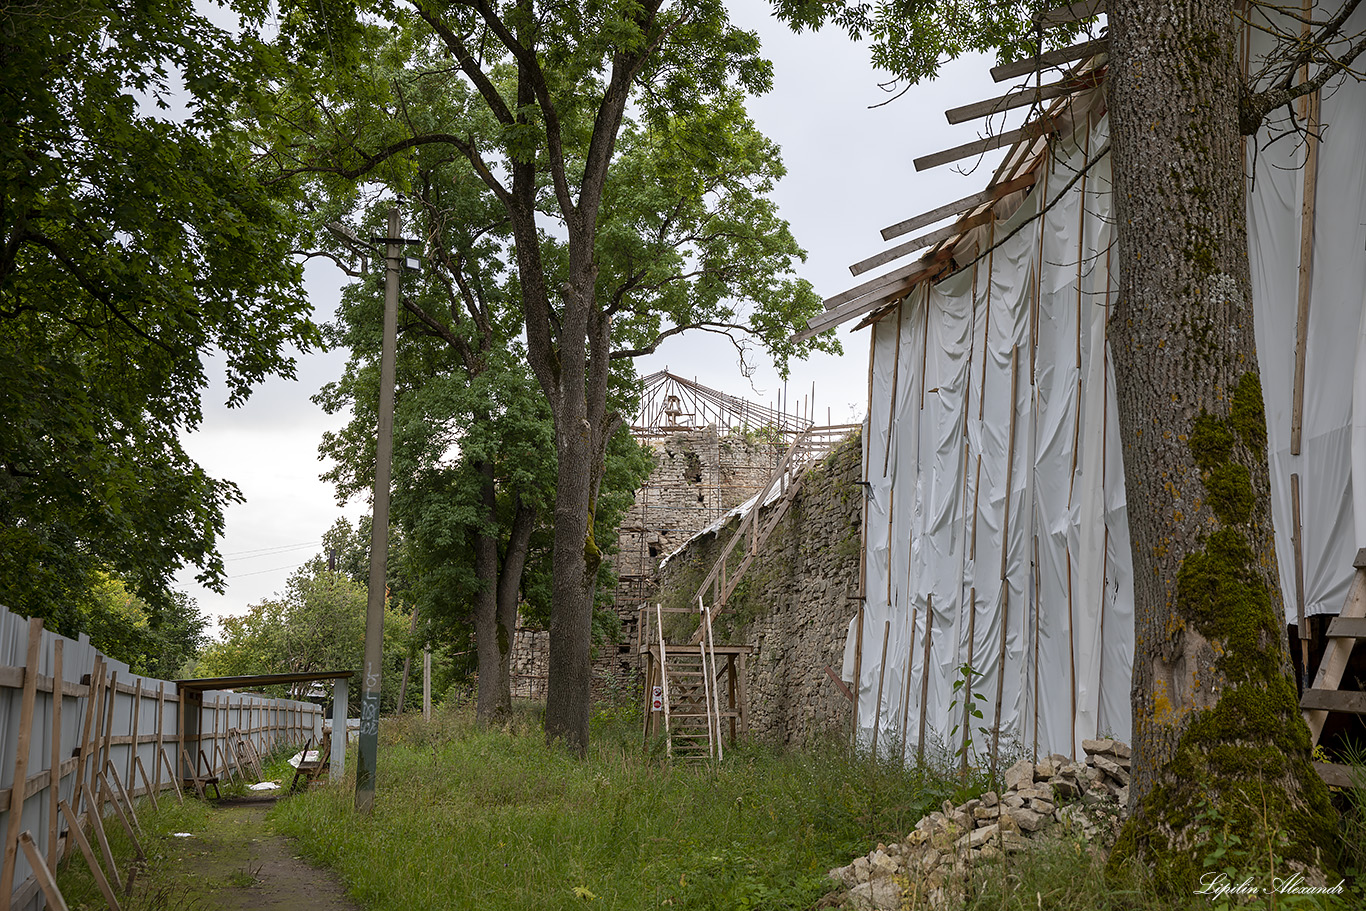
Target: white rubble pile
<point x="1051" y="796"/>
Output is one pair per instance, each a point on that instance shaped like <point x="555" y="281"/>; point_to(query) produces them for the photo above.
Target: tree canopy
<point x="134" y="242"/>
<point x="316" y="625"/>
<point x="595" y="129"/>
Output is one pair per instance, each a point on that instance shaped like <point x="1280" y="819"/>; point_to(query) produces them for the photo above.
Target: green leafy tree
<point x="132" y="243"/>
<point x="160" y="641"/>
<point x="1217" y="727"/>
<point x="473" y="469"/>
<point x="316" y="626"/>
<point x="625" y="229"/>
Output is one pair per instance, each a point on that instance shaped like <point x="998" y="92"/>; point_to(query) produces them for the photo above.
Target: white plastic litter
<point x="264" y="786"/>
<point x="183" y="834"/>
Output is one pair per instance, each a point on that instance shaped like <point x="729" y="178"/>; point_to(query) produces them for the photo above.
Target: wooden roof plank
<point x="873" y="297"/>
<point x="1018" y="99"/>
<point x="1030" y="130"/>
<point x="924" y="240"/>
<point x="1071" y="12"/>
<point x="1050" y="59"/>
<point x="958" y="206"/>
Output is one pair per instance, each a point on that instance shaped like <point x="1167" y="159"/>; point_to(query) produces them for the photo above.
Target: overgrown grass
<point x="488" y="819"/>
<point x="155" y="885"/>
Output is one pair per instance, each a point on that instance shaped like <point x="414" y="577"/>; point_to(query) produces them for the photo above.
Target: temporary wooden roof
<point x="200" y="684"/>
<point x="1084" y="69"/>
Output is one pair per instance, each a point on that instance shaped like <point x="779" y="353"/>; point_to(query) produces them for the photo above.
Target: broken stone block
<point x="1028" y="820"/>
<point x="1021" y="773"/>
<point x="986" y="812"/>
<point x="878" y="895"/>
<point x="1044" y="768"/>
<point x="1097" y="746"/>
<point x="1112" y="768"/>
<point x="882" y="866"/>
<point x="990" y="799"/>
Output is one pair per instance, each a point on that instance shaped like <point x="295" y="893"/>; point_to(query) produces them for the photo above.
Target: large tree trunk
<point x="492" y="643"/>
<point x="1216" y="719"/>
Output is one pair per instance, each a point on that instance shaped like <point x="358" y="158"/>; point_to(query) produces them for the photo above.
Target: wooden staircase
<point x="1343" y="633"/>
<point x="695" y="692"/>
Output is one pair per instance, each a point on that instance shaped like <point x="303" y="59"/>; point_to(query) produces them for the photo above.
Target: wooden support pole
<point x="161" y="735"/>
<point x="1296" y="539"/>
<point x="112" y="696"/>
<point x="1000" y="678"/>
<point x="1071" y="647"/>
<point x="925" y="678"/>
<point x="122" y="792"/>
<point x="89" y="732"/>
<point x="55" y="901"/>
<point x="97" y="826"/>
<point x="24" y="743"/>
<point x="55" y="764"/>
<point x="1010" y="456"/>
<point x="146" y="782"/>
<point x="175" y="779"/>
<point x="906" y="683"/>
<point x="136" y="730"/>
<point x="73" y="825"/>
<point x="123" y="817"/>
<point x="891" y="404"/>
<point x="967" y="684"/>
<point x="881" y="676"/>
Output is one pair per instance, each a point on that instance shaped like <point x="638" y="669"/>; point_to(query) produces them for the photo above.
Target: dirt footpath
<point x="236" y="864"/>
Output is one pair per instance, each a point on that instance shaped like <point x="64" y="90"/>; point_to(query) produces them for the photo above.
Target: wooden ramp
<point x="1324" y="696"/>
<point x="757" y="525"/>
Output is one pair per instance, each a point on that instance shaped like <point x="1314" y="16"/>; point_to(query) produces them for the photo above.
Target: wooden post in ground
<point x="136" y="732"/>
<point x="88" y="728"/>
<point x="73" y="824"/>
<point x="55" y="902"/>
<point x="161" y="735"/>
<point x="97" y="826"/>
<point x="881" y="676"/>
<point x="25" y="740"/>
<point x="55" y="777"/>
<point x="103" y="755"/>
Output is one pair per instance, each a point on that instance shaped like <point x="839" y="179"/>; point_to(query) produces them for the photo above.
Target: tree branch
<point x="704" y="326"/>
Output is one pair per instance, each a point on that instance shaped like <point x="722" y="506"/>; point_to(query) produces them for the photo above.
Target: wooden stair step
<point x="1351" y="701"/>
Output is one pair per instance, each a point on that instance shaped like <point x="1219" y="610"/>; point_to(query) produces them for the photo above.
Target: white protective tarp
<point x="939" y="432"/>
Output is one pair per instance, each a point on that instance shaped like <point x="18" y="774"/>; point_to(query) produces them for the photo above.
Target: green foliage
<point x="913" y="39"/>
<point x="532" y="824"/>
<point x="158" y="641"/>
<point x="318" y="625"/>
<point x="132" y="244"/>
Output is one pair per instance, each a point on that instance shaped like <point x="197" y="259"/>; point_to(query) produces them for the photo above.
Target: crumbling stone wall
<point x="530" y="662"/>
<point x="699" y="474"/>
<point x="794" y="605"/>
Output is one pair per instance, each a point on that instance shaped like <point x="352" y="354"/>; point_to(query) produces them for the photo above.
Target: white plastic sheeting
<point x="1032" y="587"/>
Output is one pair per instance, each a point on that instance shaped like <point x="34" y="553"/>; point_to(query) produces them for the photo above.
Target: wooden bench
<point x="310" y="770"/>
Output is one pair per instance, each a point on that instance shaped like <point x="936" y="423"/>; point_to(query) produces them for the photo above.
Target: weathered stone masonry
<point x="794" y="605"/>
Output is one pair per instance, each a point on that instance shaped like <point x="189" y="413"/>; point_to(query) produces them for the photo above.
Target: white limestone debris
<point x="1051" y="797"/>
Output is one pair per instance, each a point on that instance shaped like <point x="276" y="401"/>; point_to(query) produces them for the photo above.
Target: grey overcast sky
<point x="849" y="175"/>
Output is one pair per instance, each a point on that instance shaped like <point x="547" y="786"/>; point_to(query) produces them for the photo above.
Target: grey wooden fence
<point x="107" y="721"/>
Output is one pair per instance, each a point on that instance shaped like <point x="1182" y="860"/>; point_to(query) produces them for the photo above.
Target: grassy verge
<point x="490" y="819"/>
<point x="156" y="884"/>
